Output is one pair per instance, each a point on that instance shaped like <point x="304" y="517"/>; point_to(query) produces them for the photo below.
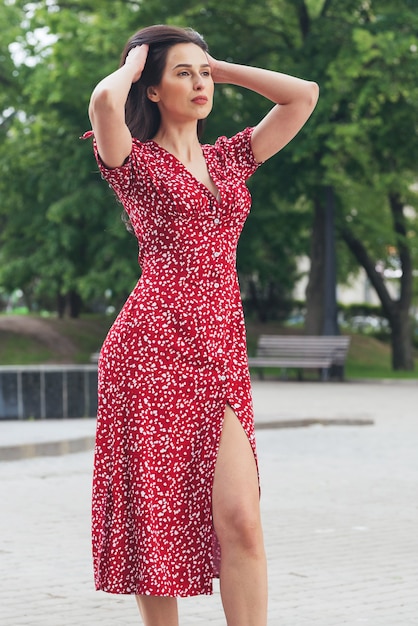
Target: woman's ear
<point x="152" y="94"/>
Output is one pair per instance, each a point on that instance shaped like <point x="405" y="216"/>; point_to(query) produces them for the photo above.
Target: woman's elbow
<point x="313" y="94"/>
<point x="100" y="100"/>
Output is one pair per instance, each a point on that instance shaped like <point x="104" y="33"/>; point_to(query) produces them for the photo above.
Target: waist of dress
<point x="198" y="274"/>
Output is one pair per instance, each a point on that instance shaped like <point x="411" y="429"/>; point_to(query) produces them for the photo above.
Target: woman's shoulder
<point x="224" y="142"/>
<point x="235" y="152"/>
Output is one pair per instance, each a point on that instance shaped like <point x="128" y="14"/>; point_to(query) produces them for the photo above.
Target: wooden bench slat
<point x="259" y="361"/>
<point x="301" y="352"/>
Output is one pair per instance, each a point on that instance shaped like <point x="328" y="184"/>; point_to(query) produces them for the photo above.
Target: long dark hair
<point x="143" y="116"/>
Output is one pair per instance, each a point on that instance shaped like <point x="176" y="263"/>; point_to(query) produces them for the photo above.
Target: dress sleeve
<point x="237" y="153"/>
<point x="121" y="179"/>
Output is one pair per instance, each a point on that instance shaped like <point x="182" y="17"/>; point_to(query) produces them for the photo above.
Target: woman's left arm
<point x="294" y="99"/>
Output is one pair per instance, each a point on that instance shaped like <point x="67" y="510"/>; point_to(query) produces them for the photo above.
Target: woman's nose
<point x="198" y="83"/>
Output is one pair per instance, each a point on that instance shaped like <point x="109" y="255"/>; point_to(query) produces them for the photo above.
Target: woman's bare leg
<point x="158" y="611"/>
<point x="236" y="514"/>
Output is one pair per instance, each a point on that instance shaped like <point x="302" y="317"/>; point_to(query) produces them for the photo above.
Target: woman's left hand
<point x="214" y="68"/>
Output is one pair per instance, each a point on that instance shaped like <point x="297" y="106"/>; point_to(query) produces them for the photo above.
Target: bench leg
<point x="325" y="373"/>
<point x="337" y="371"/>
<point x="283" y="374"/>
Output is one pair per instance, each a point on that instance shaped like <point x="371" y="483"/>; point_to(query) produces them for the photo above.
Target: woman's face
<point x="185" y="92"/>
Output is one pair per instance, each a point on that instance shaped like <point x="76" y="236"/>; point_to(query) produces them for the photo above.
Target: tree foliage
<point x="371" y="136"/>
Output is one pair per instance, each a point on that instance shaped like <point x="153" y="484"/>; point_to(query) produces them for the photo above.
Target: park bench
<point x="327" y="354"/>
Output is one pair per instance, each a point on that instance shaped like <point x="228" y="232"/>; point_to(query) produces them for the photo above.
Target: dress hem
<point x="209" y="592"/>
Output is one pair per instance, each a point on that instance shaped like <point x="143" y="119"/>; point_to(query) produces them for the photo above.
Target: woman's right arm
<point x="107" y="109"/>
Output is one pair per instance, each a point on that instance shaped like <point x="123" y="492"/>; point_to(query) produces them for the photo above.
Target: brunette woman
<point x="176" y="490"/>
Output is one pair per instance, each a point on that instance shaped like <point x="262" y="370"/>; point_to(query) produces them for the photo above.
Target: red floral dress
<point x="173" y="359"/>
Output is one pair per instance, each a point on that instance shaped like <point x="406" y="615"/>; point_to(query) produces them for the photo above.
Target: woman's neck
<point x="181" y="141"/>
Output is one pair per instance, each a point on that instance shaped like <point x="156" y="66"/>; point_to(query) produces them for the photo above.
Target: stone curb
<point x="45" y="448"/>
<point x="303" y="423"/>
<point x="84" y="444"/>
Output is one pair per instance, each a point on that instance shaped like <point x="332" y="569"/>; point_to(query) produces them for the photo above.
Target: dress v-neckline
<point x="216" y="197"/>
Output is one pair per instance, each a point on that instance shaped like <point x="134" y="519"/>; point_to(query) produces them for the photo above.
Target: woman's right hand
<point x="136" y="58"/>
<point x="107" y="108"/>
<point x="214" y="68"/>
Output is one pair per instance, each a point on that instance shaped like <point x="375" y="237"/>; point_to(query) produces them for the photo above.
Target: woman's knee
<point x="240" y="526"/>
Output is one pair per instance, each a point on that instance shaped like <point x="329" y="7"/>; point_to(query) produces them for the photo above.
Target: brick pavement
<point x="340" y="509"/>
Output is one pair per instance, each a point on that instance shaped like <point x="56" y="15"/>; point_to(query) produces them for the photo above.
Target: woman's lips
<point x="200" y="100"/>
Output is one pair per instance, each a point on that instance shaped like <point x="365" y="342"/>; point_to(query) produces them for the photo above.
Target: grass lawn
<point x="50" y="340"/>
<point x="22" y="350"/>
<point x="370" y="358"/>
<point x="87" y="333"/>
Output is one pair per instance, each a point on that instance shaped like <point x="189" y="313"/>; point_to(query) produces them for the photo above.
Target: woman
<point x="176" y="492"/>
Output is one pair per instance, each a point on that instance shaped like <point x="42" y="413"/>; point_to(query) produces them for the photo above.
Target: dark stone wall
<point x="48" y="392"/>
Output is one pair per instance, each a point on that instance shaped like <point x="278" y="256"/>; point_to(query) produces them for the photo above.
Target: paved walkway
<point x="339" y="501"/>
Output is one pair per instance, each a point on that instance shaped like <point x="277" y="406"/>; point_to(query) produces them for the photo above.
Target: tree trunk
<point x="28" y="299"/>
<point x="314" y="320"/>
<point x="397" y="312"/>
<point x="330" y="325"/>
<point x="60" y="305"/>
<point x="254" y="300"/>
<point x="402" y="349"/>
<point x="74" y="304"/>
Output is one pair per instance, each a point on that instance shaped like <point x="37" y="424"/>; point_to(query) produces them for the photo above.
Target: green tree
<point x="61" y="237"/>
<point x="366" y="151"/>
